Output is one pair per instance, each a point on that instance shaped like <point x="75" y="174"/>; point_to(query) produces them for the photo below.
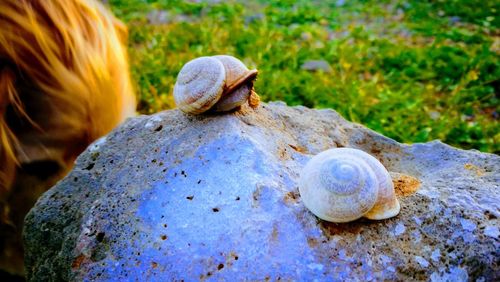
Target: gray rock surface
<point x="214" y="197"/>
<point x="316" y="65"/>
<point x="157" y="17"/>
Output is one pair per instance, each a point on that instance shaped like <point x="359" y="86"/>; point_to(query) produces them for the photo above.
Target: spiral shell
<point x="199" y="85"/>
<point x="220" y="83"/>
<point x="343" y="184"/>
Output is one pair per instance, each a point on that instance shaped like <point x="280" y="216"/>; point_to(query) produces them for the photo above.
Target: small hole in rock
<point x="220" y="266"/>
<point x="215" y="209"/>
<point x="190" y="197"/>
<point x="164" y="237"/>
<point x="159" y="128"/>
<point x="100" y="236"/>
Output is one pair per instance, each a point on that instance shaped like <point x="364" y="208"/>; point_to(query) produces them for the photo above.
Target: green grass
<point x="412" y="70"/>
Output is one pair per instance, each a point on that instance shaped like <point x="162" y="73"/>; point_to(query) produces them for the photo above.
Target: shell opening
<point x="249" y="76"/>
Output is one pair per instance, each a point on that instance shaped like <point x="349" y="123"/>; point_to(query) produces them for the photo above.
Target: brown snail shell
<point x="221" y="83"/>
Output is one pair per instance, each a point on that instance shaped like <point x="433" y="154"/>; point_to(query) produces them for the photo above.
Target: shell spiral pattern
<point x="342" y="184"/>
<point x="199" y="85"/>
<point x="221" y="83"/>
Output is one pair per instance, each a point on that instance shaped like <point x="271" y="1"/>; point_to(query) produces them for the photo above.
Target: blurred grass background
<point x="412" y="70"/>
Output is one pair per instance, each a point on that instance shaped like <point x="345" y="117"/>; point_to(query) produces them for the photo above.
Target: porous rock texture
<point x="215" y="197"/>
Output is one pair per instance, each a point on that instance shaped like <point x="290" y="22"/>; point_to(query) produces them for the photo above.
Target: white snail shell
<point x="220" y="83"/>
<point x="343" y="184"/>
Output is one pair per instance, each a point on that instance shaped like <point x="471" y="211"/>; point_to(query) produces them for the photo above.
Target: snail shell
<point x="343" y="184"/>
<point x="221" y="83"/>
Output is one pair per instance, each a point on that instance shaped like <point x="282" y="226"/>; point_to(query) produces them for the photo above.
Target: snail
<point x="219" y="83"/>
<point x="343" y="184"/>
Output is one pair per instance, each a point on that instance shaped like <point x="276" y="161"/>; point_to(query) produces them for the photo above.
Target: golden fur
<point x="72" y="53"/>
<point x="64" y="82"/>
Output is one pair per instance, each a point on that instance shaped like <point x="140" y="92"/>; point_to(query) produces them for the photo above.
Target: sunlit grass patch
<point x="410" y="70"/>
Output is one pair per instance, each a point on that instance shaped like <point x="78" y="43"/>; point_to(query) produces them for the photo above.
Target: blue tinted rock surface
<point x="215" y="197"/>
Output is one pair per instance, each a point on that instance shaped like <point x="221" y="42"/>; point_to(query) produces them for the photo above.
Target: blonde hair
<point x="64" y="80"/>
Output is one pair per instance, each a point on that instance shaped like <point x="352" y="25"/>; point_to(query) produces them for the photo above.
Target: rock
<point x="158" y="17"/>
<point x="258" y="17"/>
<point x="171" y="196"/>
<point x="316" y="65"/>
<point x="340" y="3"/>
